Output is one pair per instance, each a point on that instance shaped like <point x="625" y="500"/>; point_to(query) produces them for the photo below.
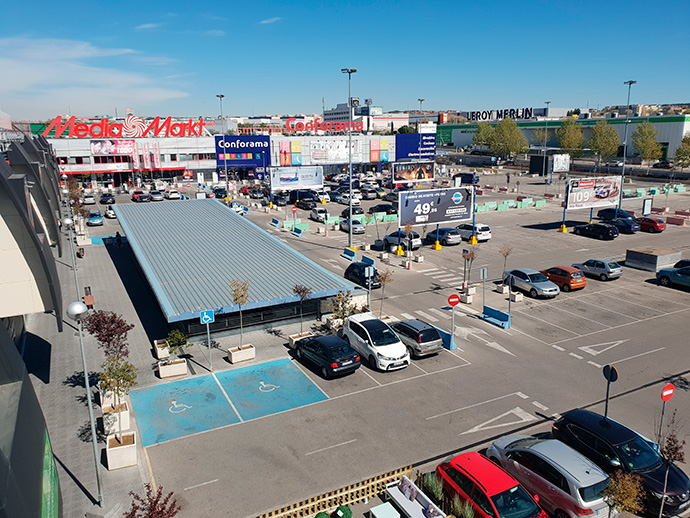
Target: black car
<point x="220" y="193"/>
<point x="607" y="214"/>
<point x="625" y="226"/>
<point x="280" y="200"/>
<point x="355" y="273"/>
<point x="388" y="208"/>
<point x="596" y="230"/>
<point x="682" y="263"/>
<point x="143" y="198"/>
<point x="256" y="194"/>
<point x="107" y="199"/>
<point x="663" y="164"/>
<point x="613" y="446"/>
<point x="356" y="211"/>
<point x="332" y="355"/>
<point x="306" y="204"/>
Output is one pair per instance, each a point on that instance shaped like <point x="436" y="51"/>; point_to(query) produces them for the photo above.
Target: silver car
<point x="569" y="485"/>
<point x="420" y="338"/>
<point x="604" y="269"/>
<point x="531" y="281"/>
<point x="357" y="227"/>
<point x="156" y="196"/>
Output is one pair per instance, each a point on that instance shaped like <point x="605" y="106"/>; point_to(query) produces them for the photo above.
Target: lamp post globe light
<point x="77" y="311"/>
<point x="349" y="72"/>
<point x="625" y="143"/>
<point x="222" y="128"/>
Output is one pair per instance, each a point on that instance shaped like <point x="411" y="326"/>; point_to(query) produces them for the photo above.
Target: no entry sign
<point x="454" y="300"/>
<point x="667" y="392"/>
<point x="294" y="209"/>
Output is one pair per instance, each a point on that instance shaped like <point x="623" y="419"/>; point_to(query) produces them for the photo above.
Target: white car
<point x="110" y="213"/>
<point x="483" y="232"/>
<point x="321" y="196"/>
<point x="375" y="342"/>
<point x="172" y="194"/>
<point x="345" y="200"/>
<point x="318" y="214"/>
<point x="357" y="194"/>
<point x="88" y="200"/>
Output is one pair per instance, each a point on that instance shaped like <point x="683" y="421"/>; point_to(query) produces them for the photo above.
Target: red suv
<point x="492" y="492"/>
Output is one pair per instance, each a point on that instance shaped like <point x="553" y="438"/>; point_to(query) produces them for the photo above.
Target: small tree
<point x="177" y="341"/>
<point x="682" y="156"/>
<point x="671" y="451"/>
<point x="645" y="144"/>
<point x="118" y="377"/>
<point x="624" y="492"/>
<point x="570" y="137"/>
<point x="505" y="251"/>
<point x="469" y="257"/>
<point x="507" y="140"/>
<point x="152" y="504"/>
<point x="605" y="140"/>
<point x="341" y="305"/>
<point x="540" y="135"/>
<point x="239" y="290"/>
<point x="483" y="135"/>
<point x="110" y="330"/>
<point x="303" y="293"/>
<point x="383" y="277"/>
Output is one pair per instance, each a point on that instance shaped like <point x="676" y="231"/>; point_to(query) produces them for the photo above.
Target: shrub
<point x="342" y="511"/>
<point x="177" y="341"/>
<point x="434" y="486"/>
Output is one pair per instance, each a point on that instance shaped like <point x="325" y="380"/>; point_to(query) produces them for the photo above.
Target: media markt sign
<point x="131" y="127"/>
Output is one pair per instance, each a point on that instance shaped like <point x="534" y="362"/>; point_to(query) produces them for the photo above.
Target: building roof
<point x="190" y="251"/>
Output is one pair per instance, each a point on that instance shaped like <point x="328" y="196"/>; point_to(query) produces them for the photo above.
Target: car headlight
<point x="382" y="357"/>
<point x="657" y="495"/>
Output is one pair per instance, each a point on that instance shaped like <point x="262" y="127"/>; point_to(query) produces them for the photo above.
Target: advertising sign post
<point x="591" y="193"/>
<point x="437" y="206"/>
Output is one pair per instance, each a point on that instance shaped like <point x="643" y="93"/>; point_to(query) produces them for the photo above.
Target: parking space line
<point x="638" y="355"/>
<point x="658" y="296"/>
<point x="227" y="397"/>
<point x="299" y="367"/>
<point x="372" y="378"/>
<point x="426" y="315"/>
<point x="549" y="323"/>
<point x="628" y="301"/>
<point x="415" y="364"/>
<point x="558" y="348"/>
<point x="575" y="356"/>
<point x="595" y="364"/>
<point x="202" y="484"/>
<point x="540" y="406"/>
<point x="427" y="272"/>
<point x="330" y="447"/>
<point x="475" y="405"/>
<point x="588" y="318"/>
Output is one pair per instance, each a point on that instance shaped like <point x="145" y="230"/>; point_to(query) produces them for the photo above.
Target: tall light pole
<point x="546" y="131"/>
<point x="349" y="72"/>
<point x="419" y="121"/>
<point x="225" y="154"/>
<point x="625" y="143"/>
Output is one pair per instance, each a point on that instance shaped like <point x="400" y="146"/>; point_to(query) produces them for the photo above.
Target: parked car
<point x="663" y="164"/>
<point x="682" y="263"/>
<point x="245" y="189"/>
<point x="220" y="192"/>
<point x="355" y="272"/>
<point x="330" y="354"/>
<point x="336" y="196"/>
<point x="345" y="199"/>
<point x="95" y="219"/>
<point x="256" y="194"/>
<point x="387" y="208"/>
<point x="610" y="213"/>
<point x="321" y="196"/>
<point x="375" y="341"/>
<point x="280" y="200"/>
<point x="356" y="211"/>
<point x="613" y="446"/>
<point x="88" y="199"/>
<point x="566" y="278"/>
<point x="614" y="163"/>
<point x="156" y="196"/>
<point x="107" y="198"/>
<point x="368" y="193"/>
<point x="110" y="213"/>
<point x="305" y="204"/>
<point x="487" y="487"/>
<point x="669" y="276"/>
<point x="172" y="194"/>
<point x="652" y="225"/>
<point x="445" y="236"/>
<point x="482" y="232"/>
<point x="380" y="192"/>
<point x="596" y="230"/>
<point x="408" y="242"/>
<point x="136" y="194"/>
<point x="625" y="226"/>
<point x="568" y="483"/>
<point x="420" y="338"/>
<point x="604" y="269"/>
<point x="318" y="214"/>
<point x="357" y="227"/>
<point x="531" y="281"/>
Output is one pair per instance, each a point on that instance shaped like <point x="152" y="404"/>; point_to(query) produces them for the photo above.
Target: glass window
<point x="482" y="501"/>
<point x="638" y="455"/>
<point x="583" y="436"/>
<point x="464" y="483"/>
<point x="515" y="503"/>
<point x="173" y="158"/>
<point x="594" y="492"/>
<point x="537" y="277"/>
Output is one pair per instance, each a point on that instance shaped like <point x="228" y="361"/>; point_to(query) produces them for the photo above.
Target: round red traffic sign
<point x="667" y="392"/>
<point x="294" y="209"/>
<point x="454" y="300"/>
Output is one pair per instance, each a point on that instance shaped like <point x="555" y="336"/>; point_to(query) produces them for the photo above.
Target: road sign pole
<point x="661" y="422"/>
<point x="452" y="323"/>
<point x="606" y="408"/>
<point x="611" y="375"/>
<point x="208" y="340"/>
<point x="453" y="300"/>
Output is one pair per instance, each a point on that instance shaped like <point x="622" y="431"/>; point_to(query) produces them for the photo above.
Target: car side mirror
<point x="615" y="463"/>
<point x="536" y="498"/>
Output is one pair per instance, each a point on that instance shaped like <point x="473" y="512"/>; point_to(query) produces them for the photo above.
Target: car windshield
<point x="637" y="454"/>
<point x="537" y="277"/>
<point x="515" y="503"/>
<point x="429" y="335"/>
<point x="593" y="492"/>
<point x="613" y="265"/>
<point x="577" y="275"/>
<point x="383" y="336"/>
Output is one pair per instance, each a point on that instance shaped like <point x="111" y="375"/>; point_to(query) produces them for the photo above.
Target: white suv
<point x="318" y="214"/>
<point x="376" y="342"/>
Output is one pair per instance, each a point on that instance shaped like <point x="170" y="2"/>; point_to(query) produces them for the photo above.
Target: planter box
<point x="121" y="455"/>
<point x="419" y="258"/>
<point x="471" y="290"/>
<point x="106" y="398"/>
<point x="160" y="347"/>
<point x="466" y="299"/>
<point x="293" y="339"/>
<point x="112" y="419"/>
<point x="170" y="368"/>
<point x="516" y="296"/>
<point x="503" y="288"/>
<point x="241" y="353"/>
<point x="335" y="323"/>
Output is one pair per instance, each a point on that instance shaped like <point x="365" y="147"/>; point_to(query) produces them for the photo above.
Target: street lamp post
<point x="225" y="154"/>
<point x="349" y="72"/>
<point x="546" y="131"/>
<point x="419" y="121"/>
<point x="625" y="143"/>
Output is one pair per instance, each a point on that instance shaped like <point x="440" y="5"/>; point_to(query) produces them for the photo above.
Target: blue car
<point x="679" y="276"/>
<point x="95" y="219"/>
<point x="625" y="226"/>
<point x="610" y="213"/>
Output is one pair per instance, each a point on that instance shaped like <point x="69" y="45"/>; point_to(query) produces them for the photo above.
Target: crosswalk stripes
<point x="407" y="316"/>
<point x="426" y="316"/>
<point x="441" y="313"/>
<point x="429" y="271"/>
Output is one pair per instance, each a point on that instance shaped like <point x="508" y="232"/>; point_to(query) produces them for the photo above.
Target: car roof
<point x="417" y="324"/>
<point x="568" y="269"/>
<point x="609" y="429"/>
<point x="492" y="478"/>
<point x="330" y="341"/>
<point x="528" y="271"/>
<point x="570" y="461"/>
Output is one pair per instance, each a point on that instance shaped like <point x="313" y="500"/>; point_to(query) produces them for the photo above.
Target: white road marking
<point x="540" y="406"/>
<point x="407" y="316"/>
<point x="522" y="415"/>
<point x="440" y="312"/>
<point x="202" y="484"/>
<point x="227" y="397"/>
<point x="558" y="348"/>
<point x="590" y="348"/>
<point x="476" y="405"/>
<point x="370" y="376"/>
<point x="444" y="277"/>
<point x="521" y="395"/>
<point x="524" y="312"/>
<point x="595" y="364"/>
<point x="494" y="345"/>
<point x="330" y="447"/>
<point x="575" y="356"/>
<point x="414" y="364"/>
<point x="426" y="316"/>
<point x="427" y="272"/>
<point x="638" y="355"/>
<point x="299" y="367"/>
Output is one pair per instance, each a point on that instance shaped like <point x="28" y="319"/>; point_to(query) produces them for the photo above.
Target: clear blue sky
<point x="172" y="58"/>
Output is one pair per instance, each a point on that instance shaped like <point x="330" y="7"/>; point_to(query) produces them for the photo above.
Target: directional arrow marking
<point x="605" y="347"/>
<point x="524" y="417"/>
<point x="499" y="347"/>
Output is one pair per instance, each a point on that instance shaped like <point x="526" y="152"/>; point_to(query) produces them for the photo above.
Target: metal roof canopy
<point x="191" y="250"/>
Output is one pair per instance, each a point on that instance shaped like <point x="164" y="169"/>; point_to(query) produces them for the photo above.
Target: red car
<point x="566" y="277"/>
<point x="491" y="491"/>
<point x="136" y="194"/>
<point x="245" y="189"/>
<point x="651" y="224"/>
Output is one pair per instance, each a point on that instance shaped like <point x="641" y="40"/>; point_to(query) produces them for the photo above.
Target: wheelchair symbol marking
<point x="263" y="387"/>
<point x="206" y="318"/>
<point x="177" y="409"/>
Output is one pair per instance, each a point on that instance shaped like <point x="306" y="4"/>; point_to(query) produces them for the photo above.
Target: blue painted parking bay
<point x="198" y="404"/>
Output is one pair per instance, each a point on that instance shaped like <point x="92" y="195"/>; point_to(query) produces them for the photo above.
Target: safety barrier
<point x="540" y="203"/>
<point x="348" y="495"/>
<point x="675" y="221"/>
<point x="640" y="192"/>
<point x="502" y="207"/>
<point x="659" y="210"/>
<point x="368" y="260"/>
<point x="349" y="254"/>
<point x="389" y="218"/>
<point x="275" y="223"/>
<point x="301" y="226"/>
<point x="679" y="188"/>
<point x="297" y="232"/>
<point x="682" y="213"/>
<point x="496" y="317"/>
<point x="491" y="204"/>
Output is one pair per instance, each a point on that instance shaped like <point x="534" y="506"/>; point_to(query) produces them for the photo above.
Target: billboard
<point x="112" y="147"/>
<point x="290" y="178"/>
<point x="243" y="151"/>
<point x="585" y="193"/>
<point x="437" y="206"/>
<point x="407" y="146"/>
<point x="417" y="171"/>
<point x="561" y="163"/>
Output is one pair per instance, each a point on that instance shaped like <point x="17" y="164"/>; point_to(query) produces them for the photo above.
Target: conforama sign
<point x="131" y="127"/>
<point x="243" y="151"/>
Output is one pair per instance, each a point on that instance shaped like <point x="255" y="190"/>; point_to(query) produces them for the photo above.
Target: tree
<point x="540" y="135"/>
<point x="110" y="330"/>
<point x="682" y="156"/>
<point x="483" y="134"/>
<point x="505" y="251"/>
<point x="456" y="119"/>
<point x="383" y="278"/>
<point x="645" y="144"/>
<point x="152" y="504"/>
<point x="671" y="451"/>
<point x="469" y="258"/>
<point x="406" y="129"/>
<point x="177" y="341"/>
<point x="624" y="492"/>
<point x="303" y="293"/>
<point x="239" y="290"/>
<point x="118" y="377"/>
<point x="507" y="140"/>
<point x="341" y="305"/>
<point x="570" y="137"/>
<point x="605" y="140"/>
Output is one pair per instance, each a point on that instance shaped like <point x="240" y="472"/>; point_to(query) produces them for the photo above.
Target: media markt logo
<point x="131" y="127"/>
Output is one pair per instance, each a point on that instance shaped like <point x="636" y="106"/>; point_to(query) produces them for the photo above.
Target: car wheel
<point x="603" y="277"/>
<point x="372" y="363"/>
<point x="665" y="281"/>
<point x="324" y="372"/>
<point x="600" y="236"/>
<point x="560" y="514"/>
<point x="576" y="231"/>
<point x="347" y="339"/>
<point x="444" y="242"/>
<point x="533" y="293"/>
<point x="410" y="352"/>
<point x="566" y="287"/>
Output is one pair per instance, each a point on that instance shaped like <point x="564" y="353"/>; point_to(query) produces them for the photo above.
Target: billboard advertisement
<point x="437" y="206"/>
<point x="418" y="171"/>
<point x="407" y="146"/>
<point x="243" y="151"/>
<point x="561" y="163"/>
<point x="112" y="147"/>
<point x="291" y="178"/>
<point x="600" y="192"/>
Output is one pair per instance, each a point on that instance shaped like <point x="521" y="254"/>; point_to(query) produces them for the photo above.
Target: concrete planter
<point x="160" y="348"/>
<point x="503" y="289"/>
<point x="123" y="453"/>
<point x="241" y="353"/>
<point x="366" y="247"/>
<point x="293" y="339"/>
<point x="171" y="368"/>
<point x="516" y="296"/>
<point x="471" y="290"/>
<point x="335" y="323"/>
<point x="466" y="299"/>
<point x="419" y="258"/>
<point x="106" y="398"/>
<point x="114" y="421"/>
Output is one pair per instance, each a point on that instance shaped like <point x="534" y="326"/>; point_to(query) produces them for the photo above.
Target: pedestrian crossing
<point x="419" y="314"/>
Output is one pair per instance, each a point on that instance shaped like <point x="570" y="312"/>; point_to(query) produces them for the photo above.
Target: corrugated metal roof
<point x="191" y="250"/>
